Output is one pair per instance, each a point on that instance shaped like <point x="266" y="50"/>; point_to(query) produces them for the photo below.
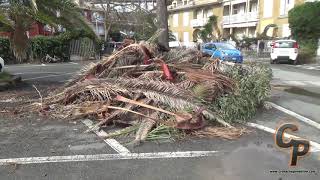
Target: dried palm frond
<point x="183" y="56"/>
<point x="222" y="132"/>
<point x="130" y="55"/>
<point x="119" y="113"/>
<point x="122" y="132"/>
<point x="212" y="85"/>
<point x="129" y="87"/>
<point x="145" y="127"/>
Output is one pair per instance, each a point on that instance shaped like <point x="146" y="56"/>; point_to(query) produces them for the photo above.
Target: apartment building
<point x="187" y="17"/>
<point x="240" y="17"/>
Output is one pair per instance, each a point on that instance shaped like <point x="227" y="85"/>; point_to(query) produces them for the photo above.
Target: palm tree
<point x="212" y="25"/>
<point x="17" y="17"/>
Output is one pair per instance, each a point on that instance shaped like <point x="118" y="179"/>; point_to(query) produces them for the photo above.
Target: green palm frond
<point x="5" y="22"/>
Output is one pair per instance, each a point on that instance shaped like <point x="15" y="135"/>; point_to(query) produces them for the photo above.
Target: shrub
<point x="5" y="51"/>
<point x="304" y="21"/>
<point x="253" y="88"/>
<point x="52" y="45"/>
<point x="307" y="51"/>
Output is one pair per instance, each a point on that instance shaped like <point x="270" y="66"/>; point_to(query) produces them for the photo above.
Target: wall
<point x="276" y="18"/>
<point x="181" y="29"/>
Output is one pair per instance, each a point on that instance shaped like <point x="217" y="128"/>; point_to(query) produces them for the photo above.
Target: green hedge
<point x="307" y="51"/>
<point x="54" y="46"/>
<point x="40" y="46"/>
<point x="5" y="50"/>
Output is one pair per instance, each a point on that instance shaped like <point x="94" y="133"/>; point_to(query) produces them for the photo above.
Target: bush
<point x="304" y="21"/>
<point x="58" y="45"/>
<point x="5" y="51"/>
<point x="307" y="51"/>
<point x="52" y="45"/>
<point x="253" y="88"/>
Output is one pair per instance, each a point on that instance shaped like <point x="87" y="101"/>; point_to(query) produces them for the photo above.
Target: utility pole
<point x="162" y="19"/>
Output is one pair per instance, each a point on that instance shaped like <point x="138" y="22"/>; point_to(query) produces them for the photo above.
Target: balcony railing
<point x="181" y="4"/>
<point x="240" y="18"/>
<point x="198" y="22"/>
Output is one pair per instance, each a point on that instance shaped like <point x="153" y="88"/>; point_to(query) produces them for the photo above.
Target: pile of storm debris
<point x="149" y="92"/>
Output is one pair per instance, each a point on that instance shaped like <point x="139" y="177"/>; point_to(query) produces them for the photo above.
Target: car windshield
<point x="225" y="46"/>
<point x="284" y="44"/>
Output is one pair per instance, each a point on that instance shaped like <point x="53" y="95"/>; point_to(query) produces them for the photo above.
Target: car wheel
<point x="0" y="68"/>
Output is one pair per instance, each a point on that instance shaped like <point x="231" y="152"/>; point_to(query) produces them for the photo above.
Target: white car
<point x="1" y="64"/>
<point x="284" y="50"/>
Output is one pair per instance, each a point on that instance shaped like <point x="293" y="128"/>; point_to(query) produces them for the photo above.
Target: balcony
<point x="198" y="22"/>
<point x="240" y="18"/>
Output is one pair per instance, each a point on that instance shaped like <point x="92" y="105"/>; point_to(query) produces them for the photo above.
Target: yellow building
<point x="242" y="18"/>
<point x="187" y="17"/>
<point x="238" y="17"/>
<point x="276" y="12"/>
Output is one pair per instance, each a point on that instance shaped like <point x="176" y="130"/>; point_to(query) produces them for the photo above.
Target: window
<point x="185" y="2"/>
<point x="235" y="9"/>
<point x="226" y="10"/>
<point x="239" y="8"/>
<point x="186" y="36"/>
<point x="284" y="44"/>
<point x="285" y="6"/>
<point x="253" y="7"/>
<point x="175" y="20"/>
<point x="174" y="4"/>
<point x="209" y="46"/>
<point x="268" y="8"/>
<point x="224" y="46"/>
<point x="199" y="14"/>
<point x="208" y="13"/>
<point x="186" y="19"/>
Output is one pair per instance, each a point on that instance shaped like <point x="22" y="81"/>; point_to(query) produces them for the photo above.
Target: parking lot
<point x="37" y="148"/>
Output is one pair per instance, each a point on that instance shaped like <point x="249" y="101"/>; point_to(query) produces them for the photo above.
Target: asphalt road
<point x="253" y="156"/>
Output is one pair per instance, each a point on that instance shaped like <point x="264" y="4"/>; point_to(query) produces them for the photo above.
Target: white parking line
<point x="296" y="83"/>
<point x="40" y="65"/>
<point x="114" y="144"/>
<point x="310" y="68"/>
<point x="106" y="157"/>
<point x="315" y="147"/>
<point x="42" y="77"/>
<point x="298" y="116"/>
<point x="314" y="83"/>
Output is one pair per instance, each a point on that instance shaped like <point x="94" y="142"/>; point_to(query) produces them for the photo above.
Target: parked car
<point x="287" y="50"/>
<point x="1" y="64"/>
<point x="223" y="51"/>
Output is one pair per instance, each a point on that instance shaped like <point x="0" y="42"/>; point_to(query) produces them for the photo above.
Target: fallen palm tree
<point x="152" y="92"/>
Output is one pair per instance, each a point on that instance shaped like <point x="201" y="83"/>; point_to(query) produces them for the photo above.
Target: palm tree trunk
<point x="162" y="16"/>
